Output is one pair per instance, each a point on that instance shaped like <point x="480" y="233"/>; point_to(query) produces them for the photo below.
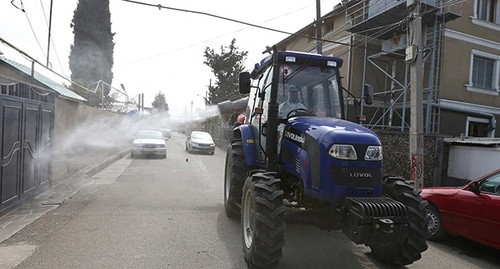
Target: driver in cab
<point x="292" y="103"/>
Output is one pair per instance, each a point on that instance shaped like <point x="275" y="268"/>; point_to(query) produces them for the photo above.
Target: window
<point x="329" y="25"/>
<point x="484" y="73"/>
<point x="487" y="10"/>
<point x="311" y="35"/>
<point x="478" y="127"/>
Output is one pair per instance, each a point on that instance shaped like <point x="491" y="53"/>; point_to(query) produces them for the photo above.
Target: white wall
<point x="466" y="162"/>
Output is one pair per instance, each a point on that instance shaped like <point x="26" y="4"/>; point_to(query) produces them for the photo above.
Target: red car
<point x="471" y="211"/>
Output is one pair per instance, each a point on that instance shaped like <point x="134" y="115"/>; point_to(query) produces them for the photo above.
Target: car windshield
<point x="149" y="135"/>
<point x="200" y="135"/>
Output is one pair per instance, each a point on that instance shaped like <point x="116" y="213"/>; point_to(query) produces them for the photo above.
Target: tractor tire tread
<point x="269" y="239"/>
<point x="411" y="248"/>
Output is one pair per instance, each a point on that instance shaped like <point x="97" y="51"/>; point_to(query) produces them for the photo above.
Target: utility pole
<point x="414" y="56"/>
<point x="142" y="102"/>
<point x="50" y="29"/>
<point x="319" y="46"/>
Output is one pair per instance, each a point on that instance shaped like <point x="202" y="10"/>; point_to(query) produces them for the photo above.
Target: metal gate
<point x="26" y="130"/>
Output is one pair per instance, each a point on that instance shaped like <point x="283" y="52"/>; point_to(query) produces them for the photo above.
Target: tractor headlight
<point x="373" y="153"/>
<point x="343" y="152"/>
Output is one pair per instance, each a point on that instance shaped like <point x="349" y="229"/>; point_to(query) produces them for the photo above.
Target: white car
<point x="200" y="142"/>
<point x="149" y="143"/>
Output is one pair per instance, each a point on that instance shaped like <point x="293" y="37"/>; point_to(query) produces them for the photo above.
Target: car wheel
<point x="436" y="230"/>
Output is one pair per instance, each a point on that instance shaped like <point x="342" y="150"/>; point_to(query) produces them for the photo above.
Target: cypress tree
<point x="91" y="56"/>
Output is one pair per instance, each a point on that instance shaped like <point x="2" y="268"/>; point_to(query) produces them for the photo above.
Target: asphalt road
<point x="168" y="213"/>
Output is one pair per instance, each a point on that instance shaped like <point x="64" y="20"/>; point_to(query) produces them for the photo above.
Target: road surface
<point x="168" y="213"/>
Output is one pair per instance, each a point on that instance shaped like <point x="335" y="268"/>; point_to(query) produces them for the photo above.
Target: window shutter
<point x="482" y="73"/>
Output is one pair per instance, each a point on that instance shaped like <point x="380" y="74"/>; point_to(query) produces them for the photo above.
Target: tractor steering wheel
<point x="297" y="111"/>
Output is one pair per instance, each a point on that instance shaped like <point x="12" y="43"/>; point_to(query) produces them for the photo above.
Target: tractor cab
<point x="297" y="84"/>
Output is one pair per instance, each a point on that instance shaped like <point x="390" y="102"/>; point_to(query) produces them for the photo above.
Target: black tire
<point x="436" y="229"/>
<point x="262" y="220"/>
<point x="133" y="156"/>
<point x="234" y="177"/>
<point x="414" y="244"/>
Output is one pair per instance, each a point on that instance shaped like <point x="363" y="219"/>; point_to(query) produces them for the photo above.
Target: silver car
<point x="199" y="141"/>
<point x="149" y="143"/>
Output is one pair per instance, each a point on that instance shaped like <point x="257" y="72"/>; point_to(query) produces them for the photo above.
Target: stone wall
<point x="396" y="148"/>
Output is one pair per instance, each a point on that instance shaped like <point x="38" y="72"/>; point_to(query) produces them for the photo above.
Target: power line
<point x="159" y="6"/>
<point x="36" y="61"/>
<point x="29" y="22"/>
<point x="204" y="41"/>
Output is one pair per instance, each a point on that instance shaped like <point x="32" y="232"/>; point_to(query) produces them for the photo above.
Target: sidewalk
<point x="31" y="210"/>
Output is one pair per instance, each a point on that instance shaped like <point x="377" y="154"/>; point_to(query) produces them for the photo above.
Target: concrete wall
<point x="83" y="136"/>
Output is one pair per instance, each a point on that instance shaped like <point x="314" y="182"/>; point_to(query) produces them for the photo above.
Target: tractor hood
<point x="328" y="131"/>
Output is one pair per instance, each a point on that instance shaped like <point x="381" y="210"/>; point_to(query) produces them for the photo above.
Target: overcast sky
<point x="158" y="50"/>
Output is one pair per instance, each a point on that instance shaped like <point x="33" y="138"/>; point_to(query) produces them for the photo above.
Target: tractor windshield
<point x="315" y="89"/>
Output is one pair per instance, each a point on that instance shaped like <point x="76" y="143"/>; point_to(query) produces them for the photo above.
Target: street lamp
<point x="204" y="99"/>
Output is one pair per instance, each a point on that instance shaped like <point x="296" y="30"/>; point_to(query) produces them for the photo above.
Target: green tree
<point x="226" y="66"/>
<point x="91" y="56"/>
<point x="160" y="102"/>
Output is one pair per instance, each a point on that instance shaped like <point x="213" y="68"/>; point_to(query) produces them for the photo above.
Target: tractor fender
<point x="246" y="133"/>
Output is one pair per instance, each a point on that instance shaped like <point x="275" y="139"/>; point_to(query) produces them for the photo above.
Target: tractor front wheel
<point x="234" y="178"/>
<point x="414" y="243"/>
<point x="262" y="220"/>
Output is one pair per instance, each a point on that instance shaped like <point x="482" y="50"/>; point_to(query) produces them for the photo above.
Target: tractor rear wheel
<point x="234" y="178"/>
<point x="415" y="243"/>
<point x="263" y="220"/>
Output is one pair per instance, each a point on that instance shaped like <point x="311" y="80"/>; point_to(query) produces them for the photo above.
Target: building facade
<point x="461" y="55"/>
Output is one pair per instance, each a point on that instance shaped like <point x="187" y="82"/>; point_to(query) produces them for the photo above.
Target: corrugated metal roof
<point x="46" y="81"/>
<point x="483" y="141"/>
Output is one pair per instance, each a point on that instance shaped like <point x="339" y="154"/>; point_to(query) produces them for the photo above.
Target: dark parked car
<point x="199" y="141"/>
<point x="149" y="143"/>
<point x="471" y="211"/>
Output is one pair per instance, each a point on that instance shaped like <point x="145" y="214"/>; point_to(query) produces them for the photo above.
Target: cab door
<point x="260" y="110"/>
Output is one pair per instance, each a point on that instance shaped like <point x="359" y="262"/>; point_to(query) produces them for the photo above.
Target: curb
<point x="95" y="168"/>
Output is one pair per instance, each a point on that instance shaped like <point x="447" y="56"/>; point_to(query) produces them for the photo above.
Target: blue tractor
<point x="310" y="165"/>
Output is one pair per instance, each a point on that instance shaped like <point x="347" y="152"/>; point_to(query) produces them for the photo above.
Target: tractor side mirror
<point x="244" y="82"/>
<point x="368" y="94"/>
